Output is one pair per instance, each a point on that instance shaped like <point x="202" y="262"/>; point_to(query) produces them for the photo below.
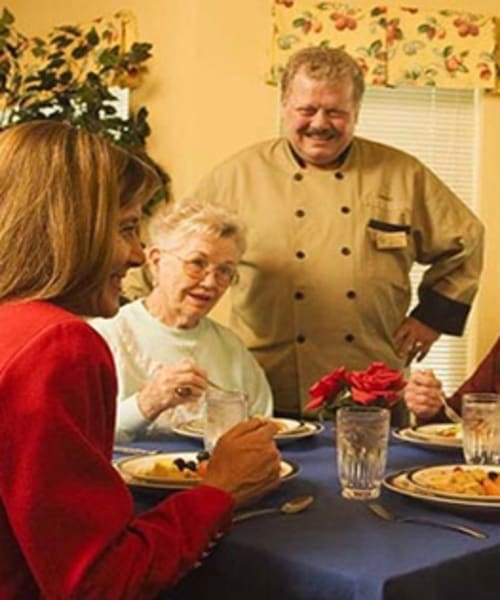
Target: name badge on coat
<point x="387" y="240"/>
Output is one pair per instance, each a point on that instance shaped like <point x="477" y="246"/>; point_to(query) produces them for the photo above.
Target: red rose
<point x="327" y="386"/>
<point x="377" y="382"/>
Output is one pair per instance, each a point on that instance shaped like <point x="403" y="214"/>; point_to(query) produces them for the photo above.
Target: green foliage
<point x="61" y="86"/>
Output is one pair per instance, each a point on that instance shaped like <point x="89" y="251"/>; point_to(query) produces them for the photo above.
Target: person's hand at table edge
<point x="245" y="461"/>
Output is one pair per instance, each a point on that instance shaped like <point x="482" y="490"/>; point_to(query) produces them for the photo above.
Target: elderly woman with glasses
<point x="166" y="349"/>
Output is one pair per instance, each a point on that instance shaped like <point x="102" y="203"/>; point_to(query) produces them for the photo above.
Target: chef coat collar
<point x="338" y="163"/>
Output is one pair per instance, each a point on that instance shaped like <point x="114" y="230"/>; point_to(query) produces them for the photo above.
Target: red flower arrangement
<point x="378" y="385"/>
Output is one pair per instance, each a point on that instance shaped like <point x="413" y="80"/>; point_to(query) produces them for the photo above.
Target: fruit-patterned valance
<point x="395" y="46"/>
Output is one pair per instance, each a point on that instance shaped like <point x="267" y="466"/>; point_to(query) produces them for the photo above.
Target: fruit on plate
<point x="491" y="484"/>
<point x="452" y="431"/>
<point x="179" y="468"/>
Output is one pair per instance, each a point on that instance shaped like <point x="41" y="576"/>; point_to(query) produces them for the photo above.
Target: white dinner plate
<point x="289" y="429"/>
<point x="399" y="483"/>
<point x="431" y="436"/>
<point x="439" y="432"/>
<point x="428" y="480"/>
<point x="134" y="470"/>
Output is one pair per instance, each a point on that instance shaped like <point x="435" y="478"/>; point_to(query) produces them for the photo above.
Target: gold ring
<point x="183" y="392"/>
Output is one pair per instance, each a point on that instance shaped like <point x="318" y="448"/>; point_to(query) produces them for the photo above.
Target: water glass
<point x="223" y="410"/>
<point x="481" y="428"/>
<point x="362" y="440"/>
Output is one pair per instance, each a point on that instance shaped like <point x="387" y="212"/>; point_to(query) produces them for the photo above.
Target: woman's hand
<point x="245" y="461"/>
<point x="171" y="385"/>
<point x="423" y="394"/>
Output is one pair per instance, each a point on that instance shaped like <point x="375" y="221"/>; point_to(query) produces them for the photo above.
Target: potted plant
<point x="70" y="76"/>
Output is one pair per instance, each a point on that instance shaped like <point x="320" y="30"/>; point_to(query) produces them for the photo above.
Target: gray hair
<point x="191" y="216"/>
<point x="324" y="64"/>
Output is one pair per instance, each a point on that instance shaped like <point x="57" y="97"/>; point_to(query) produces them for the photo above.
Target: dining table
<point x="337" y="549"/>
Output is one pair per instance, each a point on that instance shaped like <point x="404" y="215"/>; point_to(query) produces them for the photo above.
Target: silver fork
<point x="450" y="412"/>
<point x="386" y="514"/>
<point x="132" y="451"/>
<point x="185" y="392"/>
<point x="216" y="386"/>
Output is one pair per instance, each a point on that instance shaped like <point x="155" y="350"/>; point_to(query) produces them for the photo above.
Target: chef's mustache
<point x="326" y="134"/>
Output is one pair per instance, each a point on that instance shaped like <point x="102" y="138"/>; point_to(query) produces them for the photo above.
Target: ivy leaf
<point x="61" y="41"/>
<point x="56" y="54"/>
<point x="7" y="18"/>
<point x="108" y="109"/>
<point x="92" y="37"/>
<point x="110" y="57"/>
<point x="65" y="77"/>
<point x="141" y="123"/>
<point x="71" y="29"/>
<point x="80" y="51"/>
<point x="138" y="53"/>
<point x="56" y="90"/>
<point x="56" y="63"/>
<point x="38" y="51"/>
<point x="47" y="80"/>
<point x="375" y="47"/>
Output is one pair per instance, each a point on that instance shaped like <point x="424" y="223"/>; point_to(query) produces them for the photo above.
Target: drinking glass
<point x="223" y="409"/>
<point x="481" y="428"/>
<point x="362" y="440"/>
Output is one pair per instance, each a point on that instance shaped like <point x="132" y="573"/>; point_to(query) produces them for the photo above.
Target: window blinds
<point x="439" y="126"/>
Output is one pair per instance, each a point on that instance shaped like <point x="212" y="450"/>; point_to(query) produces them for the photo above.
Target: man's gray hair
<point x="190" y="216"/>
<point x="324" y="64"/>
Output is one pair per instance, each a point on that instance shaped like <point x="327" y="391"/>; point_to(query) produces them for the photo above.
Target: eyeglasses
<point x="197" y="268"/>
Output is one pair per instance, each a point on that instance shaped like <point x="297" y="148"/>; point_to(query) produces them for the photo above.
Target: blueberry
<point x="180" y="463"/>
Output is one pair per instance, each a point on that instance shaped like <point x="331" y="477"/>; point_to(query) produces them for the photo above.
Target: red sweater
<point x="486" y="378"/>
<point x="67" y="526"/>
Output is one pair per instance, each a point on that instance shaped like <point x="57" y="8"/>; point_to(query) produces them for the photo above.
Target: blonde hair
<point x="324" y="64"/>
<point x="191" y="216"/>
<point x="60" y="192"/>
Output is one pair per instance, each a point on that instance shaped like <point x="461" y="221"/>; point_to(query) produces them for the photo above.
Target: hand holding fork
<point x="424" y="397"/>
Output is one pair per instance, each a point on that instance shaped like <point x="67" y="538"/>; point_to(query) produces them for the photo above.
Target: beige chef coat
<point x="324" y="281"/>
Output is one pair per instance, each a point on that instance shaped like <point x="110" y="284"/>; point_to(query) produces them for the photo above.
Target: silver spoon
<point x="388" y="515"/>
<point x="290" y="507"/>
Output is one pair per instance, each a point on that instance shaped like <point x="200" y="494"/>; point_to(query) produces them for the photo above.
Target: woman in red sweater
<point x="70" y="205"/>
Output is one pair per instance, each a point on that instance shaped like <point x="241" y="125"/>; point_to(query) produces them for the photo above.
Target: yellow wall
<point x="207" y="97"/>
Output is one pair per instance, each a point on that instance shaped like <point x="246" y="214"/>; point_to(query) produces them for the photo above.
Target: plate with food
<point x="176" y="470"/>
<point x="432" y="435"/>
<point x="288" y="429"/>
<point x="464" y="482"/>
<point x="400" y="483"/>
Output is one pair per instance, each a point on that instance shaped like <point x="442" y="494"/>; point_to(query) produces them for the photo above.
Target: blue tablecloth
<point x="337" y="549"/>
